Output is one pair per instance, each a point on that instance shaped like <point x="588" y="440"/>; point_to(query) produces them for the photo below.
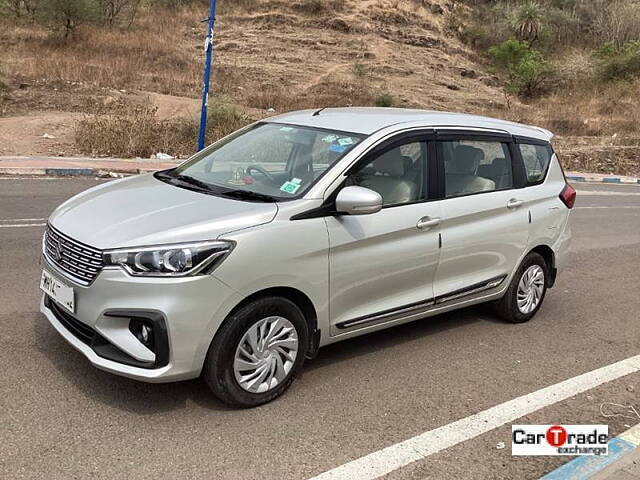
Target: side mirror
<point x="358" y="201"/>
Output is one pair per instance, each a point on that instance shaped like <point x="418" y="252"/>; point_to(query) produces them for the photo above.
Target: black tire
<point x="507" y="306"/>
<point x="218" y="370"/>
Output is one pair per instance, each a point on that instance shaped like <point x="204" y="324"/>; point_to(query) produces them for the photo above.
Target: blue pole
<point x="207" y="75"/>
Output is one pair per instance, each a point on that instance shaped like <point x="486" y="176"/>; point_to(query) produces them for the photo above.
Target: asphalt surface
<point x="61" y="418"/>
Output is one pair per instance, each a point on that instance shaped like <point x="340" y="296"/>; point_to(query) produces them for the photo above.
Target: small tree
<point x="528" y="20"/>
<point x="66" y="15"/>
<point x="525" y="67"/>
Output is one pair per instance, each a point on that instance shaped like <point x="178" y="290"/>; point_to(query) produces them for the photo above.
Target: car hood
<point x="143" y="210"/>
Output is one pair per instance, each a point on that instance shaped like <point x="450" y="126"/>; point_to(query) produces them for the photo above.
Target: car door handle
<point x="515" y="203"/>
<point x="427" y="222"/>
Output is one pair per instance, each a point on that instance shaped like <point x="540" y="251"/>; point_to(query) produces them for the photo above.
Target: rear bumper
<point x="562" y="247"/>
<point x="189" y="310"/>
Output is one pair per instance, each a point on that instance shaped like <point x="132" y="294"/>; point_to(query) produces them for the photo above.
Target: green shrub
<point x="384" y="100"/>
<point x="619" y="62"/>
<point x="526" y="68"/>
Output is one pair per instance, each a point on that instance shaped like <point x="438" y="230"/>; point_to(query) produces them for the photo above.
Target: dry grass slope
<point x="285" y="55"/>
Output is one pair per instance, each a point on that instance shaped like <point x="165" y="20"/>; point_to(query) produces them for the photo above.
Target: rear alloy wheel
<point x="527" y="290"/>
<point x="257" y="352"/>
<point x="530" y="289"/>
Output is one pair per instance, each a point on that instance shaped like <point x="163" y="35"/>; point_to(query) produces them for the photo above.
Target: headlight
<point x="177" y="260"/>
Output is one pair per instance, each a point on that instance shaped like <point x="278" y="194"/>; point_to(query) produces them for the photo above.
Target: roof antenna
<point x="317" y="112"/>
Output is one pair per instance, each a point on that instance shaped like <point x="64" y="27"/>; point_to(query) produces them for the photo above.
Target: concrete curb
<point x="593" y="178"/>
<point x="583" y="468"/>
<point x="73" y="172"/>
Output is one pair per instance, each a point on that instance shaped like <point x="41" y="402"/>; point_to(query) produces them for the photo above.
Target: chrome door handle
<point x="515" y="203"/>
<point x="427" y="222"/>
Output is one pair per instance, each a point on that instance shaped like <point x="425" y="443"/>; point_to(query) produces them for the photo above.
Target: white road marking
<point x="396" y="456"/>
<point x="591" y="207"/>
<point x="21" y="225"/>
<point x="605" y="193"/>
<point x="4" y="220"/>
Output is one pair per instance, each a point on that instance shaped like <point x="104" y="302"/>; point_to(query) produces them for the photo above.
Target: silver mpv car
<point x="300" y="231"/>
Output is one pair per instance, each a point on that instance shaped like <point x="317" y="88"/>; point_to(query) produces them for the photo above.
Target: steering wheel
<point x="261" y="170"/>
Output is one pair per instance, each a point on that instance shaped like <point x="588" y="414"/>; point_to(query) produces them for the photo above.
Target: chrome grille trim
<point x="80" y="262"/>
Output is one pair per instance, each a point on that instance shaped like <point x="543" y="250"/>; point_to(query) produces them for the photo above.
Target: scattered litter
<point x="163" y="156"/>
<point x="500" y="445"/>
<point x="630" y="388"/>
<point x="617" y="410"/>
<point x="46" y="135"/>
<point x="271" y="109"/>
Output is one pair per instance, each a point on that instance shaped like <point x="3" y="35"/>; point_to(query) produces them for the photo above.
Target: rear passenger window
<point x="476" y="166"/>
<point x="536" y="161"/>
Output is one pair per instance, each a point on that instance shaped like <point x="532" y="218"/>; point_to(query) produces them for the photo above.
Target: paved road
<point x="60" y="418"/>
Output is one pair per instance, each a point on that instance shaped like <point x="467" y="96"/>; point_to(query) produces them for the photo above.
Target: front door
<point x="383" y="264"/>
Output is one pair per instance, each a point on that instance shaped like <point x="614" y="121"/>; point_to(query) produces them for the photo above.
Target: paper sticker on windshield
<point x="345" y="141"/>
<point x="286" y="129"/>
<point x="290" y="187"/>
<point x="330" y="138"/>
<point x="337" y="148"/>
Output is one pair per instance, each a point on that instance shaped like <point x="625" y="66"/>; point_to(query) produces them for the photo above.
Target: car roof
<point x="367" y="120"/>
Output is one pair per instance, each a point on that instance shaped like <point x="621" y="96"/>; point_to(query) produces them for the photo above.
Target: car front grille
<point x="80" y="262"/>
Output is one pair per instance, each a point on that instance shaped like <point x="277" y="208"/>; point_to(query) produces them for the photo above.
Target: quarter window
<point x="536" y="161"/>
<point x="396" y="174"/>
<point x="476" y="166"/>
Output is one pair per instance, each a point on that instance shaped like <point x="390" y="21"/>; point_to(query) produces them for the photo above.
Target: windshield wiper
<point x="249" y="195"/>
<point x="193" y="181"/>
<point x="172" y="177"/>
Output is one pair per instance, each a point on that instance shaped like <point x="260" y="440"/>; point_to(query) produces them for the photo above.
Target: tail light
<point x="568" y="196"/>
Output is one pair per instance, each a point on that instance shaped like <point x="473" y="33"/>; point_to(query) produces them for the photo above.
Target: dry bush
<point x="592" y="110"/>
<point x="575" y="68"/>
<point x="145" y="57"/>
<point x="137" y="132"/>
<point x="619" y="22"/>
<point x="314" y="7"/>
<point x="329" y="93"/>
<point x="231" y="7"/>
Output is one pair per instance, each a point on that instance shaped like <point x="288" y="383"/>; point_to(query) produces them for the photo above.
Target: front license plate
<point x="58" y="291"/>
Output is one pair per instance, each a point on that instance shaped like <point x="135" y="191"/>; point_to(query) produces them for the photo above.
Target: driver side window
<point x="397" y="174"/>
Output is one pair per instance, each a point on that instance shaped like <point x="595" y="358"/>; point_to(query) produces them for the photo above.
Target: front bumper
<point x="191" y="309"/>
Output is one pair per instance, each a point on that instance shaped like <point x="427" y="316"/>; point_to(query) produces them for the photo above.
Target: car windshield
<point x="266" y="162"/>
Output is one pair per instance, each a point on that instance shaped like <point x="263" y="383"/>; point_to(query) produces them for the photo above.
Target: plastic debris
<point x="164" y="156"/>
<point x="609" y="409"/>
<point x="500" y="445"/>
<point x="271" y="109"/>
<point x="46" y="135"/>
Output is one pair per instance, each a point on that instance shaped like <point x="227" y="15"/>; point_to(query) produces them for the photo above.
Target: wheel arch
<point x="296" y="296"/>
<point x="550" y="259"/>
